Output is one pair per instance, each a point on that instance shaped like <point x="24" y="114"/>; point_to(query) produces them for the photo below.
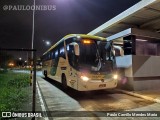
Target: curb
<point x="139" y="95"/>
<point x="43" y="101"/>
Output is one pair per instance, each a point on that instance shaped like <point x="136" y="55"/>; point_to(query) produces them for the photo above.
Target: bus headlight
<point x="115" y="77"/>
<point x="84" y="78"/>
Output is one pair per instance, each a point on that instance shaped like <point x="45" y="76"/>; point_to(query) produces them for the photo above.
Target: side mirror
<point x="121" y="51"/>
<point x="76" y="48"/>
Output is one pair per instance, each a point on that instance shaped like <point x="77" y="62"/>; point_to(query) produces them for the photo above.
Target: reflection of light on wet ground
<point x="38" y="73"/>
<point x="21" y="71"/>
<point x="110" y="102"/>
<point x="123" y="80"/>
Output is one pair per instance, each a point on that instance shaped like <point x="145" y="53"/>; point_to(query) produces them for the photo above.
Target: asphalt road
<point x="103" y="100"/>
<point x="57" y="99"/>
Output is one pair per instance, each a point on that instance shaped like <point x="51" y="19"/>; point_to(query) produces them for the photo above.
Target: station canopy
<point x="143" y="15"/>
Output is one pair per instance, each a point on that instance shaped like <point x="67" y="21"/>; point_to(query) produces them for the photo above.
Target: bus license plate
<point x="102" y="85"/>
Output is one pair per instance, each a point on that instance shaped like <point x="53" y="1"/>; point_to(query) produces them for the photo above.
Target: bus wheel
<point x="64" y="82"/>
<point x="45" y="74"/>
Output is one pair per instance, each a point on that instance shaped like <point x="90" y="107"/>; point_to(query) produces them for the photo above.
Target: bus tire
<point x="45" y="74"/>
<point x="64" y="82"/>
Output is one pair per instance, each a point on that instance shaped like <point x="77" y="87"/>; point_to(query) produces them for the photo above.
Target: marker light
<point x="11" y="64"/>
<point x="86" y="41"/>
<point x="84" y="78"/>
<point x="115" y="76"/>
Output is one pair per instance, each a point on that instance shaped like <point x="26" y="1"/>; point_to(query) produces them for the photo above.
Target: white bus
<point x="82" y="62"/>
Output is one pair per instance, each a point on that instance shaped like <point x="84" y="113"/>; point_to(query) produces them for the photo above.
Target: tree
<point x="4" y="59"/>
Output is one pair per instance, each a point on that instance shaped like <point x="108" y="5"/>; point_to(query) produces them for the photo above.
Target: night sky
<point x="70" y="16"/>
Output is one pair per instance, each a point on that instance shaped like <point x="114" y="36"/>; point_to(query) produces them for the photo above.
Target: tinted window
<point x="147" y="46"/>
<point x="129" y="45"/>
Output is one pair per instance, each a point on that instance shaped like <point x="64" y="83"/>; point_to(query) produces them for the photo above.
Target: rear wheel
<point x="64" y="82"/>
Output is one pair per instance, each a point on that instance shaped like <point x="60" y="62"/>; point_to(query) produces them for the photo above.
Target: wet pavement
<point x="151" y="93"/>
<point x="58" y="100"/>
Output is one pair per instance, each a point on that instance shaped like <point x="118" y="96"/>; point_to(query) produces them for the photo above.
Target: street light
<point x="11" y="64"/>
<point x="20" y="62"/>
<point x="33" y="26"/>
<point x="34" y="71"/>
<point x="48" y="43"/>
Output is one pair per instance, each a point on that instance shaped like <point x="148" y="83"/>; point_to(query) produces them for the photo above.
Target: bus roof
<point x="75" y="35"/>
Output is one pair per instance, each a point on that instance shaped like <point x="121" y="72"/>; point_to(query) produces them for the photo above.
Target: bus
<point x="82" y="62"/>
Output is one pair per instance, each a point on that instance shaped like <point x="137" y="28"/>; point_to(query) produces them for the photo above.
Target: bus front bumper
<point x="97" y="85"/>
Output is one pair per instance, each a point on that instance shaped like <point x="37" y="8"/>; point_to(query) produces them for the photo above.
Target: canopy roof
<point x="143" y="15"/>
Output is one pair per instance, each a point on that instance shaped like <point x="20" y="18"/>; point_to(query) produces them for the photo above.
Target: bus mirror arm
<point x="120" y="49"/>
<point x="76" y="48"/>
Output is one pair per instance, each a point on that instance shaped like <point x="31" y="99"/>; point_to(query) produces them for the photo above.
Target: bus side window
<point x="70" y="54"/>
<point x="56" y="58"/>
<point x="48" y="56"/>
<point x="52" y="55"/>
<point x="62" y="54"/>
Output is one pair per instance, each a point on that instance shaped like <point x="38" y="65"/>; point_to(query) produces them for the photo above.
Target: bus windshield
<point x="94" y="57"/>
